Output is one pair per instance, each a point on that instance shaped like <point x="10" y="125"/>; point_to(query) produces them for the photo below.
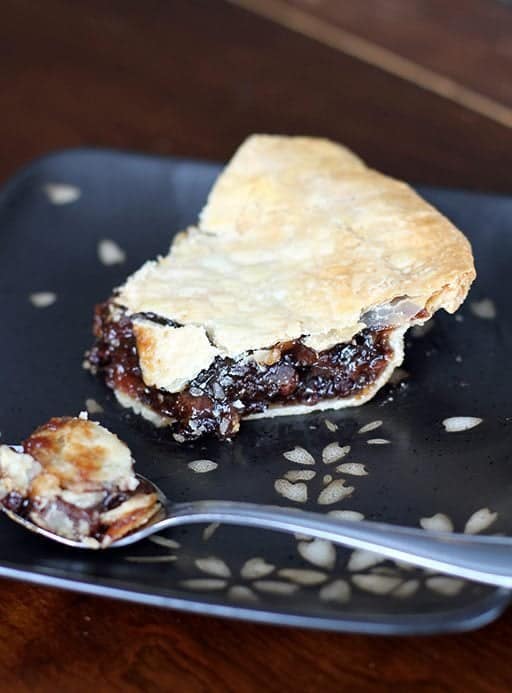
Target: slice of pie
<point x="75" y="478"/>
<point x="292" y="294"/>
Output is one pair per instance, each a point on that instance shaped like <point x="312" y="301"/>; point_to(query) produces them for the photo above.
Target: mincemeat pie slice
<point x="291" y="295"/>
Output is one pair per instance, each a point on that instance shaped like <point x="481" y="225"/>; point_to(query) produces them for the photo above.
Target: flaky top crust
<point x="300" y="238"/>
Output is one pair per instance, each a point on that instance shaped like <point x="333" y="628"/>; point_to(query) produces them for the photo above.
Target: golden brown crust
<point x="170" y="357"/>
<point x="80" y="454"/>
<point x="381" y="239"/>
<point x="300" y="238"/>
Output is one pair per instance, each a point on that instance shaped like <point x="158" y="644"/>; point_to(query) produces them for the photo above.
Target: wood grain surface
<point x="462" y="48"/>
<point x="193" y="78"/>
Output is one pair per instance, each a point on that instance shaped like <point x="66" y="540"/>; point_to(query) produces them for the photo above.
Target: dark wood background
<point x="425" y="96"/>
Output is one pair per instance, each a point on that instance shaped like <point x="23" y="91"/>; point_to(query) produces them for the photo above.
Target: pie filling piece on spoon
<point x="75" y="478"/>
<point x="291" y="295"/>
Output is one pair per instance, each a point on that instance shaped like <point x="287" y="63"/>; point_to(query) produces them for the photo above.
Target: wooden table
<point x="420" y="90"/>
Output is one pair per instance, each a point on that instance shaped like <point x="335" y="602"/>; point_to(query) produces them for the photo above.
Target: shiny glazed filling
<point x="219" y="396"/>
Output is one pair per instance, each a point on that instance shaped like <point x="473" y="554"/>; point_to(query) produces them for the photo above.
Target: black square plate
<point x="459" y="368"/>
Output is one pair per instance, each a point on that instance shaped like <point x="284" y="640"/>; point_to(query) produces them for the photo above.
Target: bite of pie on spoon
<point x="75" y="478"/>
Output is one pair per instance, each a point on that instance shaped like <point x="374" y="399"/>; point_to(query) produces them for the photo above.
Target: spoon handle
<point x="486" y="559"/>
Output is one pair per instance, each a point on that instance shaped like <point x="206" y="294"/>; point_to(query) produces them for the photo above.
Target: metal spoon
<point x="486" y="559"/>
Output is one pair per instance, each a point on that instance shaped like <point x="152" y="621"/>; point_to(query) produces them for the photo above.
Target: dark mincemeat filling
<point x="219" y="396"/>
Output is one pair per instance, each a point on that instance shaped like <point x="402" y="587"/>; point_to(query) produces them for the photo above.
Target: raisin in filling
<point x="219" y="396"/>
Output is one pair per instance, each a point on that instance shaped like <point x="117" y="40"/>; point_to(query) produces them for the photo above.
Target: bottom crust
<point x="142" y="410"/>
<point x="396" y="341"/>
